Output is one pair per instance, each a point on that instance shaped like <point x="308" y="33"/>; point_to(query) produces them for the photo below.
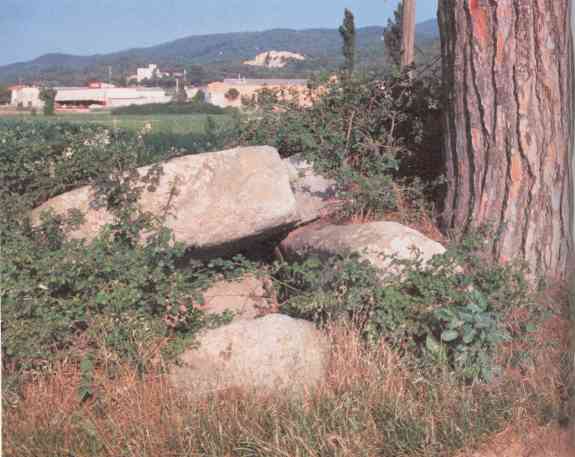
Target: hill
<point x="217" y="53"/>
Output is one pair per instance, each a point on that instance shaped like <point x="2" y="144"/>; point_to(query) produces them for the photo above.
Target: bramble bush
<point x="72" y="298"/>
<point x="124" y="290"/>
<point x="39" y="160"/>
<point x="364" y="131"/>
<point x="439" y="315"/>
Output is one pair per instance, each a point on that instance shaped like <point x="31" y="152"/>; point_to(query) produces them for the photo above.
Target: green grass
<point x="160" y="123"/>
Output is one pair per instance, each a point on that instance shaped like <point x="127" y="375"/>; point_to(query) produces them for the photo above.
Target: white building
<point x="82" y="98"/>
<point x="218" y="92"/>
<point x="152" y="71"/>
<point x="26" y="97"/>
<point x="149" y="72"/>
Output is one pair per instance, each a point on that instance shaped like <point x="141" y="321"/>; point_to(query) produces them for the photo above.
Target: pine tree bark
<point x="508" y="70"/>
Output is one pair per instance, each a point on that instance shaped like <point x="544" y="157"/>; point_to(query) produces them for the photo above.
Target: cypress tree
<point x="48" y="96"/>
<point x="392" y="36"/>
<point x="347" y="32"/>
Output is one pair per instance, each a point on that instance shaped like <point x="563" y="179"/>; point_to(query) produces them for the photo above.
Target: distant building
<point x="25" y="97"/>
<point x="230" y="92"/>
<point x="150" y="72"/>
<point x="100" y="85"/>
<point x="84" y="98"/>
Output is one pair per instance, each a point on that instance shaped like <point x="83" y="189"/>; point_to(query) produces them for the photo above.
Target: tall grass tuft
<point x="372" y="403"/>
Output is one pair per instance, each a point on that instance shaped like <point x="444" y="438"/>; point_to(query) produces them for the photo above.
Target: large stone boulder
<point x="377" y="242"/>
<point x="271" y="353"/>
<point x="315" y="194"/>
<point x="247" y="297"/>
<point x="224" y="200"/>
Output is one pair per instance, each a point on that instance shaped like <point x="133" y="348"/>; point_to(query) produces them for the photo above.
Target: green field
<point x="173" y="123"/>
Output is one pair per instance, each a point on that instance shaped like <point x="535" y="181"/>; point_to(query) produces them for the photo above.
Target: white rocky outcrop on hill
<point x="274" y="59"/>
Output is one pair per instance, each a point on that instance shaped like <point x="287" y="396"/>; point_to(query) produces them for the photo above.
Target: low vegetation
<point x="372" y="403"/>
<point x="437" y="315"/>
<point x="369" y="133"/>
<point x="58" y="294"/>
<point x="173" y="108"/>
<point x="430" y="363"/>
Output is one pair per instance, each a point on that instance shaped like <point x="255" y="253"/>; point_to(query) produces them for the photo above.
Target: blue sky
<point x="30" y="28"/>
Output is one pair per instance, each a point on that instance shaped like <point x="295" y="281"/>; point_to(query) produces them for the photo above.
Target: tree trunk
<point x="407" y="33"/>
<point x="508" y="72"/>
<point x="571" y="406"/>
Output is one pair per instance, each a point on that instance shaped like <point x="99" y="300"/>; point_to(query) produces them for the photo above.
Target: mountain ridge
<point x="208" y="49"/>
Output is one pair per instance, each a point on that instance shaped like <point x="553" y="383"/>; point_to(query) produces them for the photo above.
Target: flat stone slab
<point x="224" y="199"/>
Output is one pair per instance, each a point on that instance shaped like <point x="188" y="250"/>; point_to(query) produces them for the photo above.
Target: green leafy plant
<point x="364" y="131"/>
<point x="114" y="295"/>
<point x="468" y="330"/>
<point x="438" y="314"/>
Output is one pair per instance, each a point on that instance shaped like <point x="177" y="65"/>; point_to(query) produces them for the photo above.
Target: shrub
<point x="48" y="96"/>
<point x="232" y="94"/>
<point x="199" y="97"/>
<point x="39" y="160"/>
<point x="54" y="288"/>
<point x="181" y="96"/>
<point x="362" y="130"/>
<point x="439" y="315"/>
<point x="57" y="289"/>
<point x="103" y="299"/>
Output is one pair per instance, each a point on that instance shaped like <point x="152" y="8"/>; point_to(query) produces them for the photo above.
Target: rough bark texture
<point x="571" y="399"/>
<point x="407" y="33"/>
<point x="572" y="288"/>
<point x="508" y="71"/>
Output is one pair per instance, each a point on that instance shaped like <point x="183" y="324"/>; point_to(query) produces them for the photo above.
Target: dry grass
<point x="371" y="404"/>
<point x="410" y="213"/>
<point x="529" y="441"/>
